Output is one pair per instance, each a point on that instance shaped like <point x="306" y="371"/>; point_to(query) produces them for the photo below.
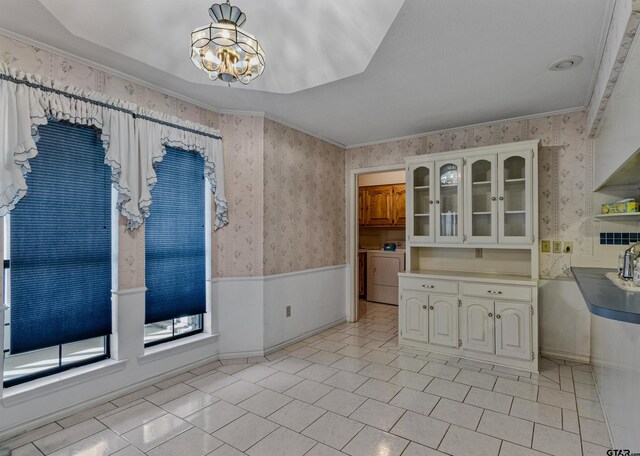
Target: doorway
<point x="376" y="218"/>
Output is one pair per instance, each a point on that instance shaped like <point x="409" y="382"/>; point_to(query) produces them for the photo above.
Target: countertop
<point x="506" y="279"/>
<point x="380" y="251"/>
<point x="604" y="298"/>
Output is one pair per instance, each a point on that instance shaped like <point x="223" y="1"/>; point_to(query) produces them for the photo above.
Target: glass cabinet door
<point x="421" y="202"/>
<point x="481" y="202"/>
<point x="514" y="197"/>
<point x="449" y="201"/>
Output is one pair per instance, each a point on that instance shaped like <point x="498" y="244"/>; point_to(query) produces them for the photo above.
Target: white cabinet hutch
<point x="470" y="289"/>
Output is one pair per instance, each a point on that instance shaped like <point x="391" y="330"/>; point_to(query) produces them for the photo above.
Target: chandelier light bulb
<point x="223" y="50"/>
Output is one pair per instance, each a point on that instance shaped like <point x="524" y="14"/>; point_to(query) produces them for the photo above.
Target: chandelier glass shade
<point x="223" y="50"/>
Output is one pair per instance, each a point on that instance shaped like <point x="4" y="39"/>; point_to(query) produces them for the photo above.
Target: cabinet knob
<point x="498" y="316"/>
<point x="437" y="201"/>
<point x="490" y="315"/>
<point x="430" y="307"/>
<point x="493" y="198"/>
<point x="501" y="198"/>
<point x="430" y="201"/>
<point x="428" y="286"/>
<point x="424" y="307"/>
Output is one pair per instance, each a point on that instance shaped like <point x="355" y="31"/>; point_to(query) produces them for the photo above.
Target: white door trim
<point x="352" y="232"/>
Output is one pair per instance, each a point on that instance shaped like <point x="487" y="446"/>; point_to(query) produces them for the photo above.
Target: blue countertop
<point x="604" y="298"/>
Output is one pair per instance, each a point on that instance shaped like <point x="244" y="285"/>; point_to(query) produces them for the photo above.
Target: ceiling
<point x="351" y="71"/>
<point x="343" y="36"/>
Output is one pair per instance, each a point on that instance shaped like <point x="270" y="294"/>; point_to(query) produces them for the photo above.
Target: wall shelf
<point x="622" y="216"/>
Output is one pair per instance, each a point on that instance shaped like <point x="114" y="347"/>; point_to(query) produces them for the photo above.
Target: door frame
<point x="352" y="232"/>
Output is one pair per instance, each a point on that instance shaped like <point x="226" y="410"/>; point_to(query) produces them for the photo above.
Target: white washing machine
<point x="382" y="275"/>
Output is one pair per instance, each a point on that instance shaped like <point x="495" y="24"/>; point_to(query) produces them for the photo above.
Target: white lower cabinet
<point x="443" y="320"/>
<point x="477" y="325"/>
<point x="513" y="330"/>
<point x="413" y="316"/>
<point x="461" y="324"/>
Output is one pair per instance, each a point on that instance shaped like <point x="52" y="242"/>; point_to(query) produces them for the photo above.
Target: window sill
<point x="175" y="347"/>
<point x="56" y="382"/>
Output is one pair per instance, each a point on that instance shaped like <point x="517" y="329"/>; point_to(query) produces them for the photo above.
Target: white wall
<point x="615" y="351"/>
<point x="240" y="315"/>
<point x="564" y="320"/>
<point x="316" y="297"/>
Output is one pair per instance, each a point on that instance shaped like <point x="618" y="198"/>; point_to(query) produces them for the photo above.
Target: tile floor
<point x="349" y="390"/>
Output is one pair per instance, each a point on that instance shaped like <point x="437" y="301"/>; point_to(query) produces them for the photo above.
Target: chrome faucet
<point x="628" y="264"/>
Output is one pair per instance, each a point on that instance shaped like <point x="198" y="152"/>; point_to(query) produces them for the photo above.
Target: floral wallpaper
<point x="238" y="246"/>
<point x="304" y="201"/>
<point x="564" y="173"/>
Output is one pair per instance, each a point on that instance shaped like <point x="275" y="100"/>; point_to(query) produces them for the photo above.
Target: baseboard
<point x="38" y="422"/>
<point x="586" y="359"/>
<point x="275" y="348"/>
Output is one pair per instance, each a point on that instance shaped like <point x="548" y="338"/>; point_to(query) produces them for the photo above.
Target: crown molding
<point x="463" y="127"/>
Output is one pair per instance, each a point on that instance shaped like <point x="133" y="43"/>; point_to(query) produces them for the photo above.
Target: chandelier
<point x="223" y="50"/>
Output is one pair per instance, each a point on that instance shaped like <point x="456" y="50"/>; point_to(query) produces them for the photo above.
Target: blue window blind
<point x="174" y="239"/>
<point x="61" y="243"/>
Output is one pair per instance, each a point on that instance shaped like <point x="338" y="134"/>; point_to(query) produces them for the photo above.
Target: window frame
<point x="6" y="278"/>
<point x="208" y="213"/>
<point x="5" y="299"/>
<point x="175" y="336"/>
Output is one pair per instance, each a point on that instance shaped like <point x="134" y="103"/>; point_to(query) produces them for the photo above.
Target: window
<point x="175" y="264"/>
<point x="57" y="268"/>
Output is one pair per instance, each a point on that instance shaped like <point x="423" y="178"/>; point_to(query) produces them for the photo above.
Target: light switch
<point x="545" y="246"/>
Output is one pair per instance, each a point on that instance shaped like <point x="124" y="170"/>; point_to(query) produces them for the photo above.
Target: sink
<point x="626" y="285"/>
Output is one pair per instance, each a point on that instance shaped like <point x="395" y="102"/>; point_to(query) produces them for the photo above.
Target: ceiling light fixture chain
<point x="225" y="51"/>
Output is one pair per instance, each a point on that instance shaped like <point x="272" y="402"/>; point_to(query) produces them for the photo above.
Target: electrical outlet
<point x="568" y="247"/>
<point x="288" y="311"/>
<point x="545" y="246"/>
<point x="557" y="246"/>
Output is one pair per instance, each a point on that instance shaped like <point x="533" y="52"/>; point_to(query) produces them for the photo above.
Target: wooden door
<point x="400" y="205"/>
<point x="379" y="205"/>
<point x="443" y="320"/>
<point x="477" y="328"/>
<point x="413" y="316"/>
<point x="513" y="330"/>
<point x="362" y="206"/>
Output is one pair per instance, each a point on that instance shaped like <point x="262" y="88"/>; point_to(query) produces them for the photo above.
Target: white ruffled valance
<point x="132" y="140"/>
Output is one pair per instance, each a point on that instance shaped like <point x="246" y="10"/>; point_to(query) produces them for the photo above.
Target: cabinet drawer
<point x="430" y="285"/>
<point x="497" y="291"/>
